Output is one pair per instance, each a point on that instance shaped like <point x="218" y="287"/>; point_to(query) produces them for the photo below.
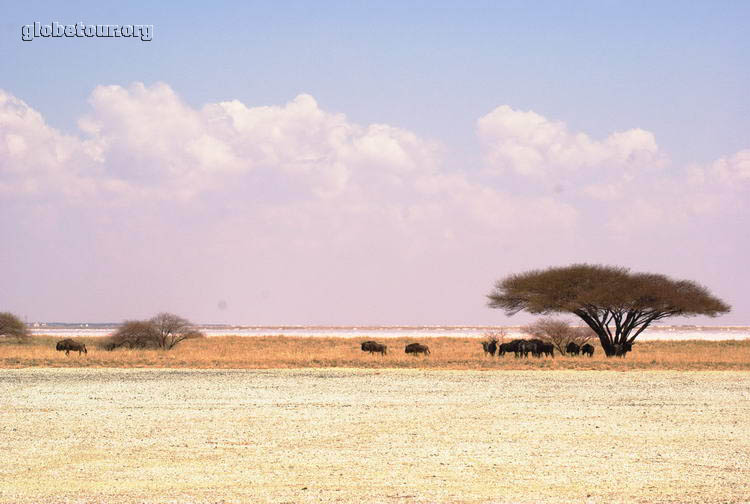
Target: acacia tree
<point x="616" y="304"/>
<point x="12" y="326"/>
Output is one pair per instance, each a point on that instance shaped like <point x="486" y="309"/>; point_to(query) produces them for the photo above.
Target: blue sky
<point x="676" y="70"/>
<point x="432" y="67"/>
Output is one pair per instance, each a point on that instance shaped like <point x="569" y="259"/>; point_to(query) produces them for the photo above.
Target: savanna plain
<point x="281" y="419"/>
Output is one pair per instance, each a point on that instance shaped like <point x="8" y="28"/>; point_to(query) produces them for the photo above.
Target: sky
<point x="351" y="163"/>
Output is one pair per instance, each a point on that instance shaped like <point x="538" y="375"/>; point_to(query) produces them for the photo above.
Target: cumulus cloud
<point x="148" y="135"/>
<point x="145" y="142"/>
<point x="35" y="158"/>
<point x="531" y="145"/>
<point x="731" y="171"/>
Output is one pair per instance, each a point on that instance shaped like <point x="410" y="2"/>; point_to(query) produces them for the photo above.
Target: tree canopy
<point x="616" y="303"/>
<point x="12" y="326"/>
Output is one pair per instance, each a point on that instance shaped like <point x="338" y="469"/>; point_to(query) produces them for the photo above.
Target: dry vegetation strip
<point x="268" y="352"/>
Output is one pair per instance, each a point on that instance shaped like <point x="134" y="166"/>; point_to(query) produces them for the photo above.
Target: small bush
<point x="12" y="327"/>
<point x="164" y="331"/>
<point x="559" y="333"/>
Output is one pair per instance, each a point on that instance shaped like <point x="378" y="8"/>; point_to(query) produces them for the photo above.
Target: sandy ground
<point x="392" y="436"/>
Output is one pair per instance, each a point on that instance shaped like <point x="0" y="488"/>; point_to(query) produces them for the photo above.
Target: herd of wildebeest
<point x="535" y="347"/>
<point x="521" y="348"/>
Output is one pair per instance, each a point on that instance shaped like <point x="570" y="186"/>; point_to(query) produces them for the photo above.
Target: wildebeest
<point x="509" y="347"/>
<point x="67" y="345"/>
<point x="504" y="348"/>
<point x="587" y="349"/>
<point x="572" y="349"/>
<point x="621" y="349"/>
<point x="374" y="347"/>
<point x="490" y="347"/>
<point x="528" y="346"/>
<point x="539" y="345"/>
<point x="415" y="348"/>
<point x="547" y="349"/>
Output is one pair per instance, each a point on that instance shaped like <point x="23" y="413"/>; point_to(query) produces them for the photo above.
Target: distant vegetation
<point x="12" y="327"/>
<point x="163" y="331"/>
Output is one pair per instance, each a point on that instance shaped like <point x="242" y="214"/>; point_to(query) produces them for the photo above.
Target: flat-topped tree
<point x="617" y="304"/>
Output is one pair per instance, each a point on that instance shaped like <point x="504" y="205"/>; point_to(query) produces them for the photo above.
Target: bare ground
<point x="391" y="436"/>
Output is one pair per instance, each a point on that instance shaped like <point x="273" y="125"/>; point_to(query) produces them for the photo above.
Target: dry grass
<point x="268" y="352"/>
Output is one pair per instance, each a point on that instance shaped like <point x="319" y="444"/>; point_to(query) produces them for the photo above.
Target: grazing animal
<point x="415" y="348"/>
<point x="572" y="349"/>
<point x="504" y="348"/>
<point x="490" y="347"/>
<point x="539" y="344"/>
<point x="510" y="347"/>
<point x="587" y="349"/>
<point x="67" y="345"/>
<point x="374" y="347"/>
<point x="528" y="346"/>
<point x="547" y="349"/>
<point x="622" y="349"/>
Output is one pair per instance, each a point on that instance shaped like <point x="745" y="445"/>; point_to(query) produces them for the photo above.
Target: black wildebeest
<point x="374" y="347"/>
<point x="572" y="349"/>
<point x="415" y="348"/>
<point x="490" y="347"/>
<point x="587" y="349"/>
<point x="67" y="345"/>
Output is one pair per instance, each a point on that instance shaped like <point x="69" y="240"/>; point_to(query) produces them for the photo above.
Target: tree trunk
<point x="607" y="345"/>
<point x="607" y="342"/>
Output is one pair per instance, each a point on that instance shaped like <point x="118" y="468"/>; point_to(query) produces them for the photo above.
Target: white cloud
<point x="733" y="171"/>
<point x="36" y="159"/>
<point x="148" y="135"/>
<point x="529" y="144"/>
<point x="143" y="144"/>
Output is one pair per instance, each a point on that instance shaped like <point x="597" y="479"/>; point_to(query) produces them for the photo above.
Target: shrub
<point x="559" y="333"/>
<point x="13" y="327"/>
<point x="164" y="331"/>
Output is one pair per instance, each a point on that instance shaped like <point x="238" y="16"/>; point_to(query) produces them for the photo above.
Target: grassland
<point x="269" y="352"/>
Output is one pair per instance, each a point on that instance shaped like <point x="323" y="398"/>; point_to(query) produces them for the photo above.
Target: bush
<point x="559" y="333"/>
<point x="164" y="331"/>
<point x="134" y="334"/>
<point x="497" y="335"/>
<point x="13" y="327"/>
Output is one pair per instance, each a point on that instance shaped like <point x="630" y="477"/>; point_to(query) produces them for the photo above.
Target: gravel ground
<point x="391" y="436"/>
